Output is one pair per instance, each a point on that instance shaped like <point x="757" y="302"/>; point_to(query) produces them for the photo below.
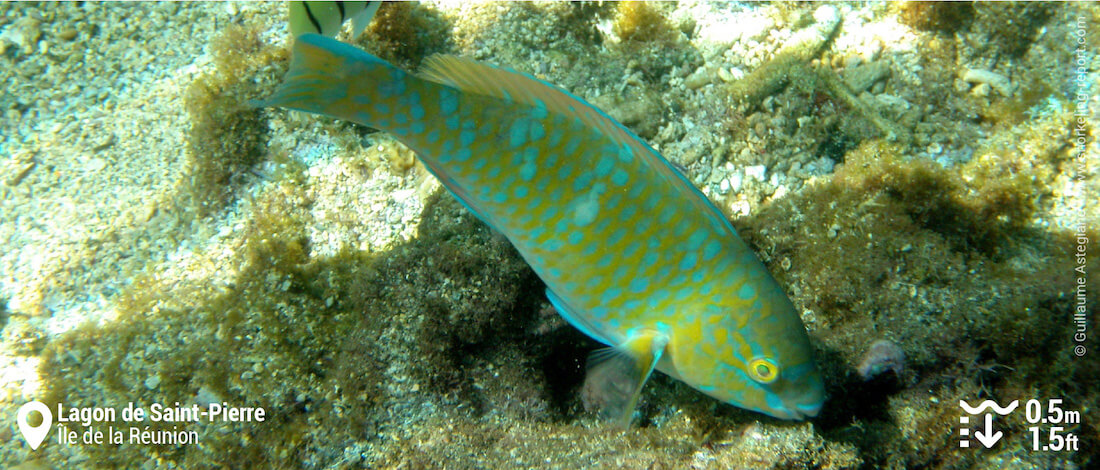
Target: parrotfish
<point x="632" y="254"/>
<point x="326" y="18"/>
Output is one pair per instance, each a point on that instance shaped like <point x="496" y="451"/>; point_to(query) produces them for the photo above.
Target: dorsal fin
<point x="486" y="80"/>
<point x="473" y="77"/>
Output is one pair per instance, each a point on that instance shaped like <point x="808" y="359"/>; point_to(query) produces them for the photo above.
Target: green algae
<point x="404" y="33"/>
<point x="840" y="91"/>
<point x="228" y="134"/>
<point x="772" y="77"/>
<point x="791" y="65"/>
<point x="907" y="249"/>
<point x="322" y="329"/>
<point x="1011" y="26"/>
<point x="942" y="17"/>
<point x="642" y="22"/>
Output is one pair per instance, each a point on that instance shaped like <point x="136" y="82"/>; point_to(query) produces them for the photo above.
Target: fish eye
<point x="763" y="370"/>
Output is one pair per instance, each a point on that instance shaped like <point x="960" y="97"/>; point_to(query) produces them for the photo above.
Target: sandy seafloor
<point x="908" y="172"/>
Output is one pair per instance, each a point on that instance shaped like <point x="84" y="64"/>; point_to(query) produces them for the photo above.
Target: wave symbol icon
<point x="989" y="404"/>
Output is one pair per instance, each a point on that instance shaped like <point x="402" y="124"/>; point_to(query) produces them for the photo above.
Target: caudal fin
<point x="332" y="78"/>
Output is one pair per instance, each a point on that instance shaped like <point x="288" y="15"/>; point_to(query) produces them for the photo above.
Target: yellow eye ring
<point x="763" y="370"/>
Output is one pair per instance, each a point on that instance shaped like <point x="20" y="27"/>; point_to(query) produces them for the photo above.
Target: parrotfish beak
<point x="804" y="410"/>
<point x="802" y="407"/>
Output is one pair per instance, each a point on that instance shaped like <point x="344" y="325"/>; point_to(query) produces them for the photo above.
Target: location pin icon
<point x="34" y="434"/>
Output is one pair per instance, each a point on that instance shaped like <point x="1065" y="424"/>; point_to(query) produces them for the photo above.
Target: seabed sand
<point x="908" y="172"/>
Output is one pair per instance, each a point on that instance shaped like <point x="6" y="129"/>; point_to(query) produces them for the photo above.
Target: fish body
<point x="631" y="253"/>
<point x="326" y="18"/>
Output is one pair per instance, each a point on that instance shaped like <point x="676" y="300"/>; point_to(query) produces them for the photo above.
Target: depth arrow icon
<point x="987" y="438"/>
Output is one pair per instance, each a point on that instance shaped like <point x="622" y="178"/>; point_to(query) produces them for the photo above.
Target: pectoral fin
<point x="616" y="375"/>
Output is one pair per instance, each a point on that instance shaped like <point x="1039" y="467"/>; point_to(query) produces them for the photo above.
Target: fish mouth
<point x="808" y="410"/>
<point x="800" y="411"/>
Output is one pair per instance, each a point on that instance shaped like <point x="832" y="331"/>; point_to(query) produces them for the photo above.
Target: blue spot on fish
<point x="684" y="293"/>
<point x="616" y="236"/>
<point x="604" y="166"/>
<point x="573" y="144"/>
<point x="462" y="155"/>
<point x="466" y="138"/>
<point x="688" y="262"/>
<point x="712" y="248"/>
<point x="700" y="276"/>
<point x="527" y="171"/>
<point x="612" y="294"/>
<point x="537" y="232"/>
<point x="632" y="249"/>
<point x="628" y="212"/>
<point x="398" y="75"/>
<point x="542" y="183"/>
<point x="625" y="153"/>
<point x="555" y="136"/>
<point x="416" y="110"/>
<point x="396" y="85"/>
<point x="582" y="182"/>
<point x="695" y="240"/>
<point x="537" y="130"/>
<point x="619" y="178"/>
<point x="518" y="135"/>
<point x="540" y="110"/>
<point x="448" y="101"/>
<point x="587" y="209"/>
<point x="667" y="214"/>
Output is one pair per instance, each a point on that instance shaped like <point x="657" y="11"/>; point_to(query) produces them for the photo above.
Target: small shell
<point x="882" y="356"/>
<point x="995" y="80"/>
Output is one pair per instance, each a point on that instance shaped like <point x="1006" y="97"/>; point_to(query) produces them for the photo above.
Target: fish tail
<point x="334" y="79"/>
